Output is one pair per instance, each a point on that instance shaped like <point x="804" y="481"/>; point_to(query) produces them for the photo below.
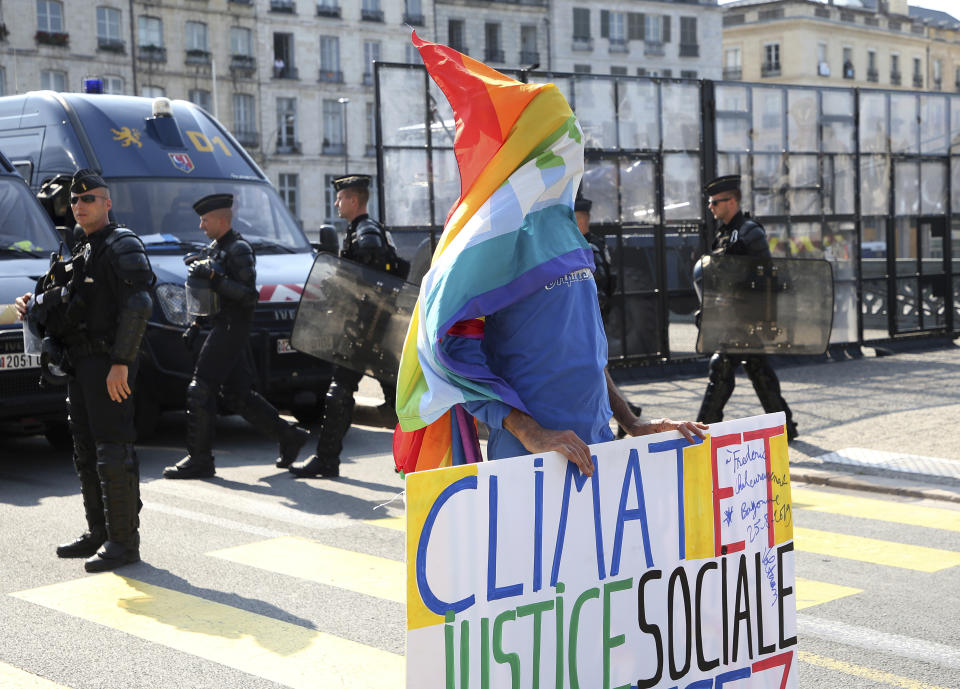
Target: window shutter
<point x="666" y="28"/>
<point x="604" y="23"/>
<point x="635" y="26"/>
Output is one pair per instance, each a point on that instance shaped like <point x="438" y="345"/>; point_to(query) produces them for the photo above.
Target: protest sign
<point x="672" y="566"/>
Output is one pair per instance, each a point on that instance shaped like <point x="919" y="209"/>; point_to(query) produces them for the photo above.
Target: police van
<point x="27" y="239"/>
<point x="158" y="157"/>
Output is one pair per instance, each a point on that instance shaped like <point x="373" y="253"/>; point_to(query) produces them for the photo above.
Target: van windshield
<point x="161" y="212"/>
<point x="25" y="230"/>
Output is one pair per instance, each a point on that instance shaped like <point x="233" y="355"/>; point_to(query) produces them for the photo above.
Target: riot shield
<point x="354" y="316"/>
<point x="765" y="306"/>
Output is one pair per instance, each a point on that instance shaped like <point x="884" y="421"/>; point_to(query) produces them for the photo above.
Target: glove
<point x="191" y="335"/>
<point x="201" y="269"/>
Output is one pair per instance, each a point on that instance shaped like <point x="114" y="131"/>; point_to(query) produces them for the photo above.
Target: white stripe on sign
<point x="931" y="652"/>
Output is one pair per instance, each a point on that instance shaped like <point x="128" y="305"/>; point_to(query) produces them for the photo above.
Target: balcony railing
<point x="247" y="137"/>
<point x="414" y="19"/>
<point x="197" y="57"/>
<point x="918" y="81"/>
<point x="732" y="73"/>
<point x="873" y="75"/>
<point x="328" y="11"/>
<point x="287" y="72"/>
<point x="331" y="76"/>
<point x="653" y="48"/>
<point x="493" y="55"/>
<point x="368" y="78"/>
<point x="849" y="72"/>
<point x="240" y="2"/>
<point x="52" y="38"/>
<point x="689" y="50"/>
<point x="371" y="15"/>
<point x="770" y="69"/>
<point x="243" y="63"/>
<point x="937" y="85"/>
<point x="582" y="43"/>
<point x="285" y="146"/>
<point x="111" y="45"/>
<point x="152" y="53"/>
<point x="529" y="57"/>
<point x="618" y="45"/>
<point x="895" y="78"/>
<point x="284" y="6"/>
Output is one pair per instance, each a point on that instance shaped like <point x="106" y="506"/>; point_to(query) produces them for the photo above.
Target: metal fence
<point x="863" y="178"/>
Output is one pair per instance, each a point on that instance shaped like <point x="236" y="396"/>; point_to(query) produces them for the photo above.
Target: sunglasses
<point x="714" y="202"/>
<point x="86" y="198"/>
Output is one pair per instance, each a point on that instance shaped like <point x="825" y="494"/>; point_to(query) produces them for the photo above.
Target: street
<point x="258" y="580"/>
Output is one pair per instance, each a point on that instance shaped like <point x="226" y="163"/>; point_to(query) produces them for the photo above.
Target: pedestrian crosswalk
<point x="306" y="654"/>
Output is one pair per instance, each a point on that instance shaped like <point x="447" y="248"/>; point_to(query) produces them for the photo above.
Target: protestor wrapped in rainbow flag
<point x="512" y="232"/>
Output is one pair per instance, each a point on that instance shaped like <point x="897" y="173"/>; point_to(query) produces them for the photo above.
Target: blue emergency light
<point x="93" y="85"/>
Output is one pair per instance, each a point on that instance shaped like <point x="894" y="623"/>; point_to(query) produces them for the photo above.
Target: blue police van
<point x="27" y="239"/>
<point x="159" y="156"/>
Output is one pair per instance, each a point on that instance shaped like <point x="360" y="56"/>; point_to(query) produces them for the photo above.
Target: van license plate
<point x="283" y="346"/>
<point x="17" y="360"/>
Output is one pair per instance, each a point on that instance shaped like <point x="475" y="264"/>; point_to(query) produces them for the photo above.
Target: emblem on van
<point x="127" y="136"/>
<point x="181" y="161"/>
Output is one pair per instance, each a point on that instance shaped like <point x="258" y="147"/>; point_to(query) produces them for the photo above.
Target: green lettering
<point x="499" y="656"/>
<point x="574" y="624"/>
<point x="535" y="609"/>
<point x="610" y="642"/>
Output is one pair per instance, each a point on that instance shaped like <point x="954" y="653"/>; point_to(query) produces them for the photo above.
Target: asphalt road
<point x="255" y="579"/>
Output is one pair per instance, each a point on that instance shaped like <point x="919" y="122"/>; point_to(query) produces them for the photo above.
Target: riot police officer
<point x="738" y="234"/>
<point x="222" y="294"/>
<point x="367" y="242"/>
<point x="93" y="310"/>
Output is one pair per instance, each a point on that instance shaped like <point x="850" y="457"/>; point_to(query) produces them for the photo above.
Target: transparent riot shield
<point x="765" y="306"/>
<point x="354" y="316"/>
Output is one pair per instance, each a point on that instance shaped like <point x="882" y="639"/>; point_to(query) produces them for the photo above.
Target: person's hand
<point x="688" y="429"/>
<point x="201" y="269"/>
<point x="536" y="438"/>
<point x="21" y="305"/>
<point x="117" y="386"/>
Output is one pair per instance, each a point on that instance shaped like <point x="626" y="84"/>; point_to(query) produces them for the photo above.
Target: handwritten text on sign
<point x="671" y="567"/>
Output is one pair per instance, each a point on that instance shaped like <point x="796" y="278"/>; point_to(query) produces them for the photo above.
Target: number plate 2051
<point x="17" y="360"/>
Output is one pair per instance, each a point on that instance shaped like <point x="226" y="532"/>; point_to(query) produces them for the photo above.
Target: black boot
<point x="337" y="416"/>
<point x="264" y="417"/>
<point x="120" y="487"/>
<point x="85" y="462"/>
<point x="767" y="386"/>
<point x="201" y="416"/>
<point x="719" y="388"/>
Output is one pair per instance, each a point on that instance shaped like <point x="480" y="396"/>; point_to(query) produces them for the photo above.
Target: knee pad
<point x="199" y="394"/>
<point x="721" y="366"/>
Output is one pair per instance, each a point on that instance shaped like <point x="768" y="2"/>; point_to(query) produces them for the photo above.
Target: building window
<point x="823" y="67"/>
<point x="108" y="28"/>
<point x="371" y="53"/>
<point x="245" y="119"/>
<point x="199" y="97"/>
<point x="872" y="73"/>
<point x="641" y="72"/>
<point x="937" y="74"/>
<point x="371" y="113"/>
<point x="689" y="45"/>
<point x="413" y="13"/>
<point x="529" y="54"/>
<point x="895" y="69"/>
<point x="371" y="12"/>
<point x="581" y="24"/>
<point x="653" y="28"/>
<point x="3" y="81"/>
<point x="151" y="91"/>
<point x="49" y="16"/>
<point x="456" y="35"/>
<point x="51" y="80"/>
<point x="149" y="32"/>
<point x="330" y="59"/>
<point x="732" y="69"/>
<point x="283" y="64"/>
<point x="287" y="126"/>
<point x="197" y="36"/>
<point x="328" y="8"/>
<point x="113" y="85"/>
<point x="241" y="41"/>
<point x="288" y="188"/>
<point x="333" y="128"/>
<point x="582" y="69"/>
<point x="688" y="74"/>
<point x="613" y="27"/>
<point x="492" y="50"/>
<point x="618" y="71"/>
<point x="412" y="55"/>
<point x="668" y="73"/>
<point x="848" y="70"/>
<point x="771" y="60"/>
<point x="917" y="73"/>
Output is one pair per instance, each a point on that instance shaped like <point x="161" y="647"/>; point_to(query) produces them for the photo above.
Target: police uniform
<point x="93" y="309"/>
<point x="742" y="236"/>
<point x="225" y="271"/>
<point x="368" y="243"/>
<point x="602" y="274"/>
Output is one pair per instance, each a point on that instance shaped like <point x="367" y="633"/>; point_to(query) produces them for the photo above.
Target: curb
<point x="873" y="484"/>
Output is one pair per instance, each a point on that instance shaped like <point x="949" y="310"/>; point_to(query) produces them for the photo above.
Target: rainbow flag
<point x="519" y="149"/>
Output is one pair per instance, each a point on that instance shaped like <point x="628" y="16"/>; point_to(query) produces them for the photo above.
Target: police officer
<point x="738" y="234"/>
<point x="367" y="242"/>
<point x="223" y="275"/>
<point x="95" y="314"/>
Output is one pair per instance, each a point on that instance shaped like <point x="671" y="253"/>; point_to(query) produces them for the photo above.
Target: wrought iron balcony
<point x="111" y="45"/>
<point x="582" y="43"/>
<point x="619" y="45"/>
<point x="243" y="63"/>
<point x="331" y="76"/>
<point x="873" y="75"/>
<point x="58" y="38"/>
<point x="287" y="147"/>
<point x="895" y="78"/>
<point x="732" y="73"/>
<point x="653" y="48"/>
<point x="493" y="55"/>
<point x="286" y="72"/>
<point x="770" y="69"/>
<point x="918" y="81"/>
<point x="197" y="57"/>
<point x="371" y="15"/>
<point x="152" y="53"/>
<point x="328" y="11"/>
<point x="284" y="6"/>
<point x="689" y="50"/>
<point x="413" y="19"/>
